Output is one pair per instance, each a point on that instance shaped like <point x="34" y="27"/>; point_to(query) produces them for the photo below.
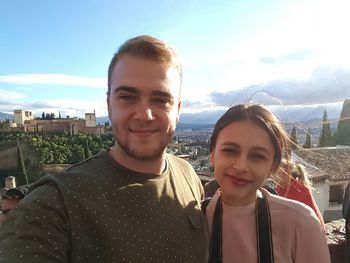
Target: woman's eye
<point x="258" y="156"/>
<point x="230" y="151"/>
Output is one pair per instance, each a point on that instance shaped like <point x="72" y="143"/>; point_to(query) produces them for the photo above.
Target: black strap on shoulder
<point x="263" y="231"/>
<point x="215" y="252"/>
<point x="205" y="204"/>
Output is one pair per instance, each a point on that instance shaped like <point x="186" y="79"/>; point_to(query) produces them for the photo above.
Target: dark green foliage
<point x="326" y="133"/>
<point x="48" y="116"/>
<point x="308" y="139"/>
<point x="21" y="177"/>
<point x="293" y="138"/>
<point x="60" y="148"/>
<point x="342" y="135"/>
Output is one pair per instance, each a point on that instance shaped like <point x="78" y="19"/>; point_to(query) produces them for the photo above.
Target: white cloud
<point x="198" y="106"/>
<point x="10" y="95"/>
<point x="73" y="108"/>
<point x="54" y="79"/>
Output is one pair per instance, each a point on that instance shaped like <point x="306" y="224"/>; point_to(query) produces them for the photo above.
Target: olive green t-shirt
<point x="100" y="211"/>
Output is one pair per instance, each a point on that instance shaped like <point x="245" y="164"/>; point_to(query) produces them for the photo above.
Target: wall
<point x="321" y="195"/>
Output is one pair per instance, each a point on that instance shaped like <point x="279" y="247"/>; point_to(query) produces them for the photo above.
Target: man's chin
<point x="146" y="156"/>
<point x="143" y="153"/>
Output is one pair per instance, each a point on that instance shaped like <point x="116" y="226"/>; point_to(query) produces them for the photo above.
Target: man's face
<point x="143" y="106"/>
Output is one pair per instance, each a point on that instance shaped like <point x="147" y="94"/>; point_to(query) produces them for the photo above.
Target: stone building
<point x="24" y="121"/>
<point x="329" y="170"/>
<point x="20" y="116"/>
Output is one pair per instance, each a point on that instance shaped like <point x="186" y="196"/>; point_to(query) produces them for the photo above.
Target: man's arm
<point x="37" y="230"/>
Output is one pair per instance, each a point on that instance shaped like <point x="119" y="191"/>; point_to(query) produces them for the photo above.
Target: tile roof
<point x="332" y="163"/>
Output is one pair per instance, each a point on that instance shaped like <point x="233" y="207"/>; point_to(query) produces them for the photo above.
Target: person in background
<point x="293" y="183"/>
<point x="346" y="215"/>
<point x="10" y="199"/>
<point x="246" y="222"/>
<point x="132" y="203"/>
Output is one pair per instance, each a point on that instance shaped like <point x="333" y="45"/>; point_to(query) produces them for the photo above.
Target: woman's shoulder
<point x="289" y="208"/>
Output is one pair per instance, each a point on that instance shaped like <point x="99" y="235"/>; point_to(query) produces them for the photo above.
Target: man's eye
<point x="127" y="98"/>
<point x="162" y="101"/>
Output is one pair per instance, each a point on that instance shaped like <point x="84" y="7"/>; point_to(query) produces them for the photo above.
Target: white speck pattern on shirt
<point x="99" y="211"/>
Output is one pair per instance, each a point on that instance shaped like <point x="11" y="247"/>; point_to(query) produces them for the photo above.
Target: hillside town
<point x="328" y="166"/>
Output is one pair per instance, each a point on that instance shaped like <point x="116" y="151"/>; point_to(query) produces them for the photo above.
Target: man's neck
<point x="154" y="166"/>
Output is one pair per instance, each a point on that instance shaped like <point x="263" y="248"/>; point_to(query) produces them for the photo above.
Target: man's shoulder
<point x="179" y="161"/>
<point x="98" y="160"/>
<point x="91" y="167"/>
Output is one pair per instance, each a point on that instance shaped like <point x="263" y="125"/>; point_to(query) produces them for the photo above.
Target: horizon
<point x="281" y="54"/>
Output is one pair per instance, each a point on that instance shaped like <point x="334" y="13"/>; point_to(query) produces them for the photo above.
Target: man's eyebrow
<point x="127" y="89"/>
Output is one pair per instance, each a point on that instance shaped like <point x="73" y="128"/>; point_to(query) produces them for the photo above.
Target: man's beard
<point x="156" y="153"/>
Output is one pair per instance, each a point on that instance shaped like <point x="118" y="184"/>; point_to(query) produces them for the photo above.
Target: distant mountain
<point x="4" y="116"/>
<point x="204" y="117"/>
<point x="306" y="113"/>
<point x="285" y="114"/>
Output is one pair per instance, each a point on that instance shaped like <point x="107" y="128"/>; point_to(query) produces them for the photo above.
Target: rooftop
<point x="332" y="163"/>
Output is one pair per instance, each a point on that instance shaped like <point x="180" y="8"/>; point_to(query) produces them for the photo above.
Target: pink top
<point x="301" y="193"/>
<point x="297" y="234"/>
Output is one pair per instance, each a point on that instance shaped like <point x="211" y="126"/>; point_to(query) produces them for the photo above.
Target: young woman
<point x="293" y="183"/>
<point x="246" y="222"/>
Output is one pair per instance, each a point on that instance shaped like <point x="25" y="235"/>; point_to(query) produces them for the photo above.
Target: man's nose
<point x="144" y="112"/>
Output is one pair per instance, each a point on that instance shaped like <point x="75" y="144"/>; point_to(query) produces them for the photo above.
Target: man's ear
<point x="109" y="108"/>
<point x="178" y="111"/>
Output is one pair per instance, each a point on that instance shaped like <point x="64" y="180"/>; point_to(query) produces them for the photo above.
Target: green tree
<point x="326" y="133"/>
<point x="293" y="138"/>
<point x="342" y="136"/>
<point x="308" y="139"/>
<point x="21" y="177"/>
<point x="87" y="152"/>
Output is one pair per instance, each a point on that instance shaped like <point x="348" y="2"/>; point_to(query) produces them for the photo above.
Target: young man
<point x="133" y="203"/>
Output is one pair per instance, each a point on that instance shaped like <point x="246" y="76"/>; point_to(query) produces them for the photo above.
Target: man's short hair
<point x="145" y="47"/>
<point x="17" y="193"/>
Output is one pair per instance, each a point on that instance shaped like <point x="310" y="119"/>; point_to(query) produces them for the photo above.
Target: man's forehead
<point x="145" y="75"/>
<point x="134" y="65"/>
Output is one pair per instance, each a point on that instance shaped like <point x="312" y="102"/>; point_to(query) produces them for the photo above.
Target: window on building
<point x="336" y="193"/>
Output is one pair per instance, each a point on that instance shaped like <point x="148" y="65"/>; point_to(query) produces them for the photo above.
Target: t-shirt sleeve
<point x="36" y="231"/>
<point x="311" y="244"/>
<point x="310" y="201"/>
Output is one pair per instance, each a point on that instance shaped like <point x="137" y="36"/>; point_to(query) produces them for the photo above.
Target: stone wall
<point x="335" y="233"/>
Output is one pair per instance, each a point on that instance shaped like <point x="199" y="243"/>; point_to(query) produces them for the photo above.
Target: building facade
<point x="328" y="169"/>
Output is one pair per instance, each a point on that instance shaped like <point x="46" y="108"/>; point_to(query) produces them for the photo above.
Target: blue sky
<point x="54" y="54"/>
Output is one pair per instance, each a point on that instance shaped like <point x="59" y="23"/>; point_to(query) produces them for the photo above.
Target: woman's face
<point x="243" y="157"/>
